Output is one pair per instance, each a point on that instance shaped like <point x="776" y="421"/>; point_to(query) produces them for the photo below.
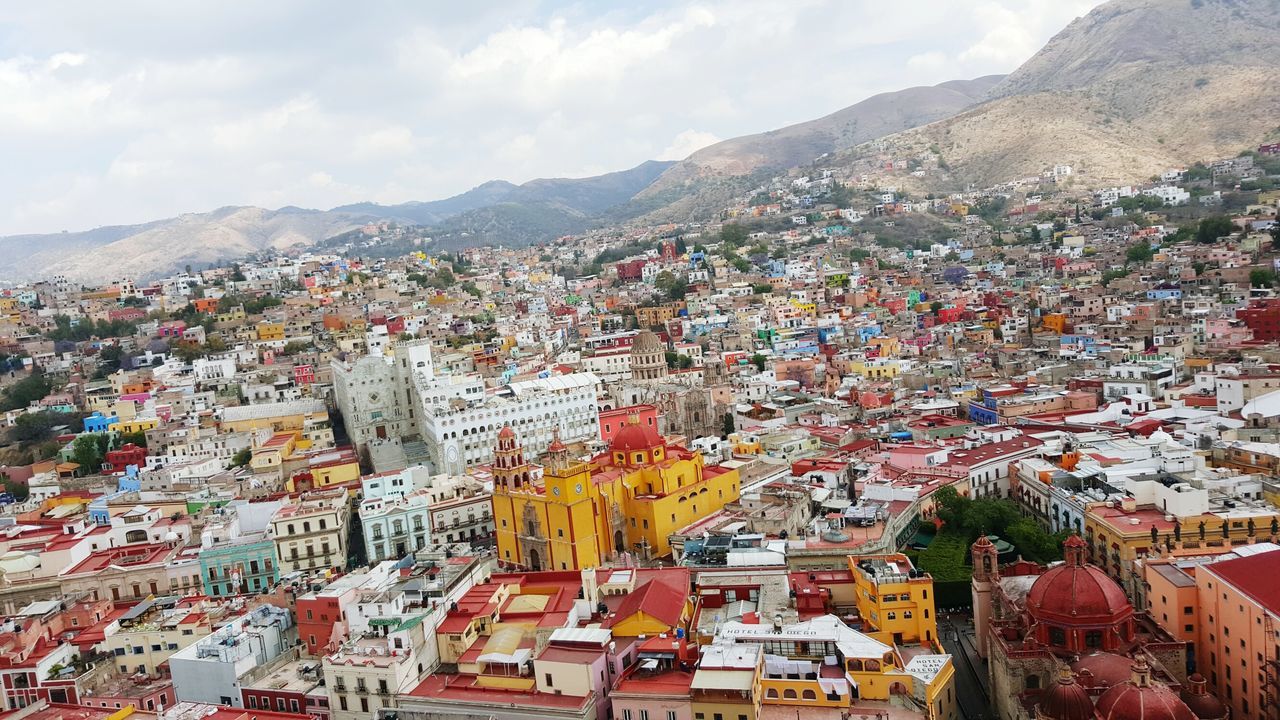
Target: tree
<point x="761" y="288"/>
<point x="1262" y="277"/>
<point x="758" y="360"/>
<point x="1214" y="227"/>
<point x="33" y="428"/>
<point x="86" y="452"/>
<point x="681" y="246"/>
<point x="30" y="389"/>
<point x="685" y="362"/>
<point x="935" y="306"/>
<point x="241" y="458"/>
<point x="727" y="424"/>
<point x="1139" y="253"/>
<point x="134" y="438"/>
<point x="733" y="234"/>
<point x="1036" y="237"/>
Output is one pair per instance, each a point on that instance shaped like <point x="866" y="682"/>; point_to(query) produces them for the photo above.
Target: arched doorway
<point x="535" y="562"/>
<point x="619" y="542"/>
<point x="898" y="689"/>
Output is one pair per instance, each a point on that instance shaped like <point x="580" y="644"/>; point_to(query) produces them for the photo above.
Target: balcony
<point x="362" y="689"/>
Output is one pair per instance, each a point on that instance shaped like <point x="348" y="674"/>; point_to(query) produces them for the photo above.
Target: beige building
<point x="311" y="532"/>
<point x="152" y="631"/>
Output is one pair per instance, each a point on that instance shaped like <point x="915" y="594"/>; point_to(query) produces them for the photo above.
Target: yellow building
<point x="627" y="499"/>
<point x="270" y="331"/>
<point x="823" y="663"/>
<point x="894" y="601"/>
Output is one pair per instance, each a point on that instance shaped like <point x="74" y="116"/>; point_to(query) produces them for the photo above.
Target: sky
<point x="129" y="111"/>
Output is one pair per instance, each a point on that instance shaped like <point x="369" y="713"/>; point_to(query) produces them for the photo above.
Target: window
<point x="548" y="679"/>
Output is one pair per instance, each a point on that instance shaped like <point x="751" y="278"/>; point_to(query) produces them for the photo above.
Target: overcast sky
<point x="122" y="112"/>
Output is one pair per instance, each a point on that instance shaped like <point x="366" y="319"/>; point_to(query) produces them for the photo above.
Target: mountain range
<point x="1133" y="88"/>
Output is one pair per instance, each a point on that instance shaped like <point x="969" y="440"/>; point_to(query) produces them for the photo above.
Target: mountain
<point x="565" y="198"/>
<point x="545" y="209"/>
<point x="435" y="211"/>
<point x="1131" y="89"/>
<point x="715" y="173"/>
<point x="495" y="211"/>
<point x="166" y="246"/>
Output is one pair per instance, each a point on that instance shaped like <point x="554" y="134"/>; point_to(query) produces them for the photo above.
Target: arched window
<point x="771" y="693"/>
<point x="809" y="695"/>
<point x="789" y="694"/>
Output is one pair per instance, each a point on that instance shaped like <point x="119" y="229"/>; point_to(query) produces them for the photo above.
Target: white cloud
<point x="686" y="143"/>
<point x="106" y="119"/>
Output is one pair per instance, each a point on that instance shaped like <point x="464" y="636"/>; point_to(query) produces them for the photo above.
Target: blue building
<point x="97" y="423"/>
<point x="240" y="566"/>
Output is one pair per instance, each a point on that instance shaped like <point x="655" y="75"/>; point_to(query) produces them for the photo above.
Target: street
<point x="956" y="633"/>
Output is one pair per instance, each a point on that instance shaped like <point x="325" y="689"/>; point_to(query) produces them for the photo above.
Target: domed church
<point x="1064" y="643"/>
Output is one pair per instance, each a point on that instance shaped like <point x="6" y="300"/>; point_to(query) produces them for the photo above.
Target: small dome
<point x="1195" y="694"/>
<point x="1066" y="700"/>
<point x="1141" y="699"/>
<point x="506" y="433"/>
<point x="171" y="536"/>
<point x="634" y="436"/>
<point x="1103" y="669"/>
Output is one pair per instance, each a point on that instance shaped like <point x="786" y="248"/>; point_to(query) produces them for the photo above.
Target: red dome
<point x="1103" y="669"/>
<point x="1141" y="699"/>
<point x="633" y="436"/>
<point x="506" y="433"/>
<point x="1205" y="706"/>
<point x="1066" y="700"/>
<point x="1075" y="593"/>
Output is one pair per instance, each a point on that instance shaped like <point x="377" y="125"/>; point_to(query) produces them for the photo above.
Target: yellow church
<point x="628" y="499"/>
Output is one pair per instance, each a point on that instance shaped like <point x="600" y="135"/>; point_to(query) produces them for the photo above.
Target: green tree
<point x="1262" y="277"/>
<point x="241" y="458"/>
<point x="684" y="362"/>
<point x="1214" y="227"/>
<point x="30" y="389"/>
<point x="727" y="424"/>
<point x="758" y="360"/>
<point x="34" y="428"/>
<point x="135" y="438"/>
<point x="86" y="452"/>
<point x="1139" y="253"/>
<point x="734" y="235"/>
<point x="761" y="288"/>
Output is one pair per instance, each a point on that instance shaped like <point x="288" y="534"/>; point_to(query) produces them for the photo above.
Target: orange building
<point x="1238" y="650"/>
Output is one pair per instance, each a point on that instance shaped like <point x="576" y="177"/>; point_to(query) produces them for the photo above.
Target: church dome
<point x="646" y="342"/>
<point x="506" y="433"/>
<point x="1141" y="699"/>
<point x="1076" y="593"/>
<point x="1066" y="700"/>
<point x="634" y="437"/>
<point x="1195" y="694"/>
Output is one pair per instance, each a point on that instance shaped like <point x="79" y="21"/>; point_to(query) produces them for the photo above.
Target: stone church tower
<point x="986" y="573"/>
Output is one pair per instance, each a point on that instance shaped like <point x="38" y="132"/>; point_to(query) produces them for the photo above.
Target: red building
<point x="322" y="615"/>
<point x="129" y="314"/>
<point x="304" y="374"/>
<point x="1263" y="318"/>
<point x="129" y="454"/>
<point x="631" y="271"/>
<point x="611" y="421"/>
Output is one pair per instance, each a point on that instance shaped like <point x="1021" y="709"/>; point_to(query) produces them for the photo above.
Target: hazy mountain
<point x="166" y="246"/>
<point x="435" y="211"/>
<point x="566" y="197"/>
<point x="711" y="175"/>
<point x="1133" y="88"/>
<point x="494" y="211"/>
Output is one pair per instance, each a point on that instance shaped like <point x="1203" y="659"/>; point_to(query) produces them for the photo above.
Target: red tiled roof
<point x="1255" y="576"/>
<point x="658" y="600"/>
